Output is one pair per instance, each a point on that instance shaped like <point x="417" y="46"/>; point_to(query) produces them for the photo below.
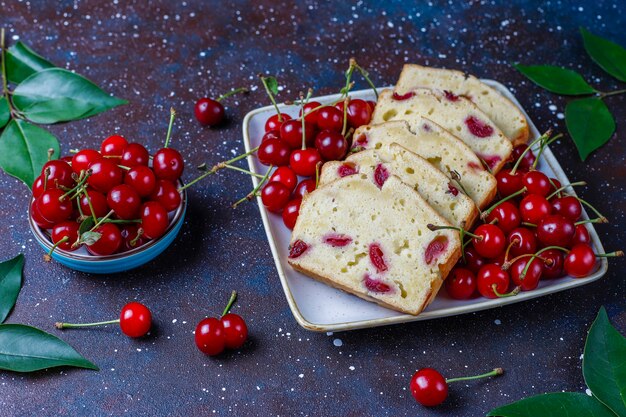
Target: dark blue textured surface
<point x="162" y="54"/>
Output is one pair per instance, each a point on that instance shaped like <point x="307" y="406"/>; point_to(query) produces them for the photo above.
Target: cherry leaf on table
<point x="26" y="349"/>
<point x="5" y="114"/>
<point x="24" y="150"/>
<point x="57" y="95"/>
<point x="557" y="404"/>
<point x="10" y="284"/>
<point x="610" y="56"/>
<point x="590" y="124"/>
<point x="555" y="79"/>
<point x="604" y="364"/>
<point x="22" y="62"/>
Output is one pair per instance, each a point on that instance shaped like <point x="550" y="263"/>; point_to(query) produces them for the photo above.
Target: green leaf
<point x="604" y="363"/>
<point x="555" y="79"/>
<point x="89" y="238"/>
<point x="22" y="62"/>
<point x="590" y="124"/>
<point x="26" y="349"/>
<point x="57" y="95"/>
<point x="10" y="284"/>
<point x="5" y="114"/>
<point x="272" y="84"/>
<point x="610" y="56"/>
<point x="86" y="225"/>
<point x="557" y="404"/>
<point x="24" y="150"/>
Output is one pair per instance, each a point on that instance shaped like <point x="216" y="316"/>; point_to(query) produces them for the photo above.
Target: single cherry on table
<point x="135" y="321"/>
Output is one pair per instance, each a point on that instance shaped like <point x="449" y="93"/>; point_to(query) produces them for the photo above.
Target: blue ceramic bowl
<point x="81" y="260"/>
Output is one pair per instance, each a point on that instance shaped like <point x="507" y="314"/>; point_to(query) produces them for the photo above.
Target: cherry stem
<point x="169" y="127"/>
<point x="508" y="249"/>
<point x="45" y="179"/>
<point x="543" y="146"/>
<point x="245" y="171"/>
<point x="365" y="75"/>
<point x="558" y="191"/>
<point x="616" y="254"/>
<point x="232" y="93"/>
<point x="458" y="229"/>
<point x="93" y="213"/>
<point x="134" y="241"/>
<point x="231" y="301"/>
<point x="561" y="248"/>
<point x="349" y="84"/>
<point x="591" y="207"/>
<point x="513" y="292"/>
<point x="62" y="326"/>
<point x="272" y="99"/>
<point x="527" y="266"/>
<point x="303" y="102"/>
<point x="79" y="185"/>
<point x="529" y="224"/>
<point x="495" y="372"/>
<point x="597" y="220"/>
<point x="47" y="257"/>
<point x="486" y="213"/>
<point x="533" y="143"/>
<point x="345" y="116"/>
<point x="610" y="93"/>
<point x="317" y="173"/>
<point x="252" y="193"/>
<point x="101" y="220"/>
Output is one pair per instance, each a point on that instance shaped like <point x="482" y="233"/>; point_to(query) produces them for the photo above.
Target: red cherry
<point x="59" y="174"/>
<point x="154" y="220"/>
<point x="533" y="207"/>
<point x="291" y="133"/>
<point x="429" y="387"/>
<point x="275" y="196"/>
<point x="473" y="261"/>
<point x="235" y="330"/>
<point x="53" y="206"/>
<point x="135" y="154"/>
<point x="490" y="241"/>
<point x="536" y="182"/>
<point x="291" y="211"/>
<point x="286" y="176"/>
<point x="135" y="319"/>
<point x="330" y="118"/>
<point x="555" y="184"/>
<point x="509" y="183"/>
<point x="109" y="242"/>
<point x="114" y="146"/>
<point x="461" y="284"/>
<point x="359" y="113"/>
<point x="272" y="134"/>
<point x="304" y="161"/>
<point x="124" y="201"/>
<point x="522" y="241"/>
<point x="141" y="179"/>
<point x="530" y="280"/>
<point x="507" y="215"/>
<point x="274" y="122"/>
<point x="38" y="186"/>
<point x="492" y="278"/>
<point x="168" y="164"/>
<point x="83" y="159"/>
<point x="274" y="152"/>
<point x="38" y="217"/>
<point x="98" y="203"/>
<point x="105" y="174"/>
<point x="166" y="194"/>
<point x="581" y="235"/>
<point x="332" y="146"/>
<point x="304" y="187"/>
<point x="311" y="116"/>
<point x="210" y="336"/>
<point x="555" y="230"/>
<point x="65" y="230"/>
<point x="553" y="263"/>
<point x="580" y="261"/>
<point x="567" y="206"/>
<point x="209" y="112"/>
<point x="129" y="234"/>
<point x="529" y="157"/>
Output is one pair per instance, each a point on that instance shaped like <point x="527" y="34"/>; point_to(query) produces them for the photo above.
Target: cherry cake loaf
<point x="505" y="114"/>
<point x="370" y="238"/>
<point x="436" y="188"/>
<point x="456" y="114"/>
<point x="442" y="149"/>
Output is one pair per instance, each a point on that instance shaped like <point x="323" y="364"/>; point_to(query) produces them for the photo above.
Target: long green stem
<point x="563" y="187"/>
<point x="612" y="93"/>
<point x="486" y="213"/>
<point x="252" y="193"/>
<point x="495" y="372"/>
<point x="169" y="128"/>
<point x="540" y="139"/>
<point x="365" y="75"/>
<point x="272" y="99"/>
<point x="61" y="326"/>
<point x="232" y="93"/>
<point x="93" y="213"/>
<point x="231" y="301"/>
<point x="234" y="168"/>
<point x="544" y="146"/>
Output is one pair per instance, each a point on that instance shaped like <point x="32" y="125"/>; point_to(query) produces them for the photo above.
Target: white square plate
<point x="321" y="308"/>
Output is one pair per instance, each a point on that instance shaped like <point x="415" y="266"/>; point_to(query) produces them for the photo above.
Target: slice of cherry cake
<point x="370" y="238"/>
<point x="436" y="188"/>
<point x="442" y="149"/>
<point x="459" y="116"/>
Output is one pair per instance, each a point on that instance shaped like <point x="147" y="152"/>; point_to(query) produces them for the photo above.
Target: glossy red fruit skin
<point x="332" y="146"/>
<point x="166" y="194"/>
<point x="553" y="264"/>
<point x="311" y="117"/>
<point x="135" y="154"/>
<point x="83" y="159"/>
<point x="304" y="161"/>
<point x="274" y="122"/>
<point x="275" y="196"/>
<point x="154" y="220"/>
<point x="488" y="276"/>
<point x="135" y="319"/>
<point x="508" y="183"/>
<point x="429" y="387"/>
<point x="492" y="243"/>
<point x="110" y="240"/>
<point x="129" y="234"/>
<point x="286" y="176"/>
<point x="141" y="179"/>
<point x="52" y="207"/>
<point x="63" y="229"/>
<point x="210" y="336"/>
<point x="291" y="133"/>
<point x="473" y="261"/>
<point x="507" y="215"/>
<point x="291" y="212"/>
<point x="555" y="184"/>
<point x="522" y="241"/>
<point x="555" y="230"/>
<point x="533" y="274"/>
<point x="536" y="182"/>
<point x="580" y="261"/>
<point x="461" y="284"/>
<point x="274" y="152"/>
<point x="105" y="174"/>
<point x="567" y="206"/>
<point x="209" y="112"/>
<point x="38" y="186"/>
<point x="124" y="201"/>
<point x="271" y="134"/>
<point x="305" y="186"/>
<point x="59" y="174"/>
<point x="114" y="146"/>
<point x="359" y="113"/>
<point x="533" y="208"/>
<point x="38" y="218"/>
<point x="581" y="235"/>
<point x="527" y="161"/>
<point x="330" y="118"/>
<point x="98" y="203"/>
<point x="168" y="164"/>
<point x="235" y="330"/>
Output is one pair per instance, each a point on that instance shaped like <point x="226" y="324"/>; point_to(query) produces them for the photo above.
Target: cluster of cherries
<point x="121" y="189"/>
<point x="297" y="147"/>
<point x="533" y="232"/>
